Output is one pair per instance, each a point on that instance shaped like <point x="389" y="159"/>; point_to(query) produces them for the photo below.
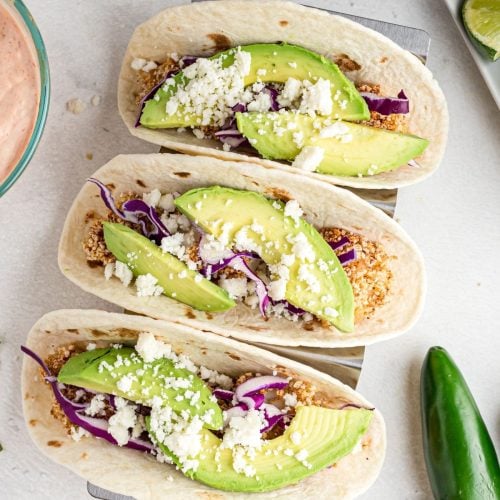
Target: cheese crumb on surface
<point x="96" y="406"/>
<point x="152" y="198"/>
<point x="174" y="245"/>
<point x="316" y="98"/>
<point x="236" y="287"/>
<point x="150" y="349"/>
<point x="122" y="421"/>
<point x="147" y="287"/>
<point x="123" y="273"/>
<point x="293" y="210"/>
<point x="309" y="158"/>
<point x="78" y="432"/>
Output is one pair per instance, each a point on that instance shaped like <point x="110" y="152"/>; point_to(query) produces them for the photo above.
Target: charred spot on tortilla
<point x="279" y="194"/>
<point x="97" y="333"/>
<point x="221" y="42"/>
<point x="54" y="443"/>
<point x="283" y="23"/>
<point x="209" y="315"/>
<point x="345" y="63"/>
<point x="89" y="216"/>
<point x="233" y="356"/>
<point x="384" y="60"/>
<point x="189" y="314"/>
<point x="183" y="175"/>
<point x="309" y="326"/>
<point x="93" y="264"/>
<point x="33" y="422"/>
<point x="140" y="183"/>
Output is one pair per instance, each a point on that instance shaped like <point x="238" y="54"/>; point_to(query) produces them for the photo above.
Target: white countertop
<point x="454" y="217"/>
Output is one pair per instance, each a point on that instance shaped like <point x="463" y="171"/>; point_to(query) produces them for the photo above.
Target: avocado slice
<point x="328" y="435"/>
<point x="367" y="150"/>
<point x="270" y="62"/>
<point x="262" y="225"/>
<point x="179" y="282"/>
<point x="102" y="370"/>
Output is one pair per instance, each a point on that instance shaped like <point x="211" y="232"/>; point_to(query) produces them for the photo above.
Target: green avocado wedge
<point x="179" y="282"/>
<point x="327" y="435"/>
<point x="269" y="63"/>
<point x="104" y="371"/>
<point x="350" y="149"/>
<point x="317" y="283"/>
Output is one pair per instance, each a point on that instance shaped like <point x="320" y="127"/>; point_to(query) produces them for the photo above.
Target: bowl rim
<point x="43" y="106"/>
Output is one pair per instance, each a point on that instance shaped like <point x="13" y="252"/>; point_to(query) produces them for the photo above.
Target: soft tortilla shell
<point x="324" y="206"/>
<point x="131" y="473"/>
<point x="207" y="27"/>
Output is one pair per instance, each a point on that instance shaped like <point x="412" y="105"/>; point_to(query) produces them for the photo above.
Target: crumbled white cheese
<point x="236" y="287"/>
<point x="216" y="378"/>
<point x="125" y="383"/>
<point x="337" y="130"/>
<point x="122" y="420"/>
<point x="290" y="399"/>
<point x="261" y="103"/>
<point x="330" y="311"/>
<point x="109" y="269"/>
<point x="291" y="91"/>
<point x="91" y="346"/>
<point x="316" y="98"/>
<point x="244" y="431"/>
<point x="293" y="210"/>
<point x="139" y="64"/>
<point x="167" y="202"/>
<point x="308" y="277"/>
<point x="296" y="437"/>
<point x="150" y="349"/>
<point x="97" y="404"/>
<point x="298" y="138"/>
<point x="309" y="158"/>
<point x="179" y="433"/>
<point x="123" y="273"/>
<point x="78" y="432"/>
<point x="146" y="285"/>
<point x="152" y="198"/>
<point x="174" y="245"/>
<point x="277" y="289"/>
<point x="302" y="248"/>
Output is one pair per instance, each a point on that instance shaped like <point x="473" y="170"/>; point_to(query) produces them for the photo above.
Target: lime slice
<point x="482" y="20"/>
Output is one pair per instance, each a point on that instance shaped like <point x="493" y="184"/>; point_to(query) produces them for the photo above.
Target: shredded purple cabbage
<point x="96" y="426"/>
<point x="132" y="210"/>
<point x="347" y="257"/>
<point x="387" y="105"/>
<point x="140" y="207"/>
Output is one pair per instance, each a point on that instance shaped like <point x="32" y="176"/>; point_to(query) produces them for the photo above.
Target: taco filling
<point x="282" y="102"/>
<point x="214" y="247"/>
<point x="246" y="433"/>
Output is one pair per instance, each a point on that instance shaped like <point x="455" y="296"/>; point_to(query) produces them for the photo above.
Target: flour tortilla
<point x="131" y="473"/>
<point x="207" y="27"/>
<point x="324" y="205"/>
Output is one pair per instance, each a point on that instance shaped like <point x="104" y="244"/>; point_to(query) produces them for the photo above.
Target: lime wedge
<point x="482" y="21"/>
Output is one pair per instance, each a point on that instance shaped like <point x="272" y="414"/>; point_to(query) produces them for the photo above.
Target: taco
<point x="295" y="89"/>
<point x="150" y="408"/>
<point x="232" y="247"/>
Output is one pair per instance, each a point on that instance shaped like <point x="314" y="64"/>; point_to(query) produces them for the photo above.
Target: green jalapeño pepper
<point x="459" y="453"/>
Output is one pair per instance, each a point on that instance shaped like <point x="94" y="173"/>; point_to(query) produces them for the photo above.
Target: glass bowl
<point x="43" y="106"/>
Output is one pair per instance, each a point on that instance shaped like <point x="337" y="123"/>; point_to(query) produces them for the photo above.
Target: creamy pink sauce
<point x="19" y="89"/>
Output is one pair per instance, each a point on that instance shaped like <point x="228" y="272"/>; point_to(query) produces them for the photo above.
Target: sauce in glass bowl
<point x="19" y="89"/>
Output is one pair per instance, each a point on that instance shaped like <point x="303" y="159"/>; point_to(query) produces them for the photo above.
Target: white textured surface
<point x="454" y="217"/>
